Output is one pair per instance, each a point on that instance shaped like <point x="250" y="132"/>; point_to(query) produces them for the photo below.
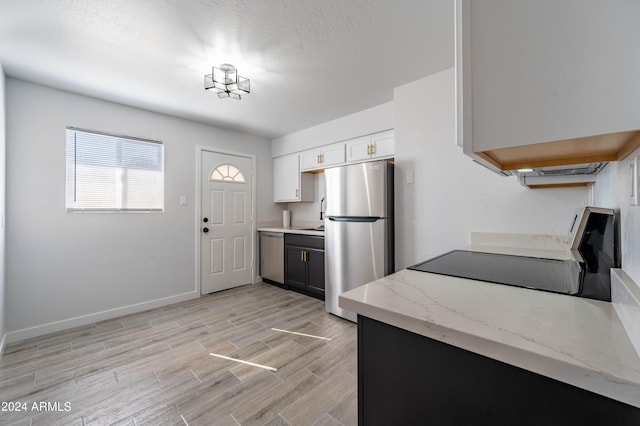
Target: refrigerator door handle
<point x="354" y="218"/>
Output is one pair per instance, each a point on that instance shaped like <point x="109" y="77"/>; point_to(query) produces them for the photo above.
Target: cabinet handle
<point x="305" y="255"/>
<point x="321" y="158"/>
<point x="297" y="191"/>
<point x="301" y="255"/>
<point x="371" y="149"/>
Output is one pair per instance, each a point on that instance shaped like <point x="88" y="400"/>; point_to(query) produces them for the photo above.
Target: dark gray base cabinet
<point x="408" y="379"/>
<point x="304" y="264"/>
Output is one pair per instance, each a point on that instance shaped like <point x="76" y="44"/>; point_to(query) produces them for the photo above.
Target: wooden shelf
<point x="590" y="149"/>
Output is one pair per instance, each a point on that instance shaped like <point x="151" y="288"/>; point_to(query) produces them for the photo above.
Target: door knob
<point x="205" y="220"/>
<point x="205" y="230"/>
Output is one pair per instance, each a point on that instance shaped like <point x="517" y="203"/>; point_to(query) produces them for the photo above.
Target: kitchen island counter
<point x="573" y="340"/>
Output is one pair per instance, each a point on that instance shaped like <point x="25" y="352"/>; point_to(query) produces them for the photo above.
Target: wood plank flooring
<point x="155" y="367"/>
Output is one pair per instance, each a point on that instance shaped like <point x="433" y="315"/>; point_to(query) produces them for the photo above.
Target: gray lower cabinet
<point x="304" y="264"/>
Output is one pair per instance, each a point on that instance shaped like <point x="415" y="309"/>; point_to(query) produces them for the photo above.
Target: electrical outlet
<point x="634" y="172"/>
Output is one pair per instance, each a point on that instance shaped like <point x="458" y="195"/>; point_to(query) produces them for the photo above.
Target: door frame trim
<point x="198" y="209"/>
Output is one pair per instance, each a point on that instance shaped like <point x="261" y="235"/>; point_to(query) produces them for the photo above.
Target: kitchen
<point x="431" y="221"/>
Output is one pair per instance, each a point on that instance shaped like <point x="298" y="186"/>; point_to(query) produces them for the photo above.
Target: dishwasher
<point x="272" y="257"/>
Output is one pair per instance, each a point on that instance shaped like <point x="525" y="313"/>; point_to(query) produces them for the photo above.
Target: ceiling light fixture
<point x="226" y="81"/>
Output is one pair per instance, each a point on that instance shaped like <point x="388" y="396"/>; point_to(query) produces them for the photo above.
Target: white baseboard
<point x="52" y="327"/>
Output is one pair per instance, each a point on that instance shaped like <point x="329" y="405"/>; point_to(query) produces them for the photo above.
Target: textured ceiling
<point x="309" y="61"/>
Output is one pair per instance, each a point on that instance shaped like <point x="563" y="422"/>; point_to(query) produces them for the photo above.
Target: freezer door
<point x="356" y="253"/>
<point x="357" y="190"/>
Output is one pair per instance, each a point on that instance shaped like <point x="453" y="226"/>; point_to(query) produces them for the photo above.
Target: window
<point x="113" y="173"/>
<point x="227" y="173"/>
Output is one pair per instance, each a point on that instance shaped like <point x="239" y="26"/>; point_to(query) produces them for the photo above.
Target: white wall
<point x="3" y="163"/>
<point x="365" y="122"/>
<point x="310" y="210"/>
<point x="612" y="190"/>
<point x="452" y="196"/>
<point x="65" y="269"/>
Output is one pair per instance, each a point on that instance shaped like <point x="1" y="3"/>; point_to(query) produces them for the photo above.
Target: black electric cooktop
<point x="595" y="247"/>
<point x="558" y="276"/>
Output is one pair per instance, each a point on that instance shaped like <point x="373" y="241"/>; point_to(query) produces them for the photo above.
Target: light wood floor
<point x="155" y="368"/>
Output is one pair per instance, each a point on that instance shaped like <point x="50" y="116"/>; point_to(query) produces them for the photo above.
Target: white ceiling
<point x="309" y="61"/>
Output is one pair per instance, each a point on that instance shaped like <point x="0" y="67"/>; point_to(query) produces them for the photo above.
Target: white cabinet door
<point x="372" y="147"/>
<point x="333" y="155"/>
<point x="358" y="149"/>
<point x="530" y="72"/>
<point x="383" y="145"/>
<point x="289" y="185"/>
<point x="323" y="157"/>
<point x="309" y="160"/>
<point x="286" y="185"/>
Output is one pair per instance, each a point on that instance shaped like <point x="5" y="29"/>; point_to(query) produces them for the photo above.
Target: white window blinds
<point x="113" y="173"/>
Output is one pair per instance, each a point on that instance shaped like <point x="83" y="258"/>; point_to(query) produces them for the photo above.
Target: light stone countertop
<point x="575" y="340"/>
<point x="293" y="230"/>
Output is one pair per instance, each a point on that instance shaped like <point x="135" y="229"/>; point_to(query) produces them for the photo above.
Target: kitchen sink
<point x="317" y="228"/>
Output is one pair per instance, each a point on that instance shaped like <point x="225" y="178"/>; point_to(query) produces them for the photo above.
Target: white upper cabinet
<point x="323" y="157"/>
<point x="371" y="147"/>
<point x="289" y="185"/>
<point x="532" y="72"/>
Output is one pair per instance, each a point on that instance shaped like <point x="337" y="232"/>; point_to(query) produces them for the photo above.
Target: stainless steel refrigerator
<point x="358" y="229"/>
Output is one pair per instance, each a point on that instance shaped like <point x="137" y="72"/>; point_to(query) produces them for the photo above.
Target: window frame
<point x="70" y="177"/>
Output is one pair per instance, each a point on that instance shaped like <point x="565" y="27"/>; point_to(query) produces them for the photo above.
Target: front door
<point x="226" y="222"/>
